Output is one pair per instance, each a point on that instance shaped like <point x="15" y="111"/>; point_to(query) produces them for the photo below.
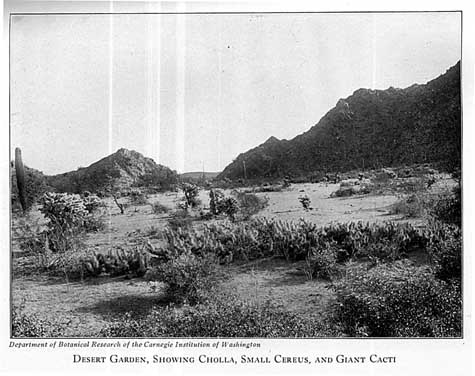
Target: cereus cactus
<point x="20" y="178"/>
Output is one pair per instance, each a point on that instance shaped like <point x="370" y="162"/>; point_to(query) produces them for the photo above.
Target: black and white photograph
<point x="180" y="175"/>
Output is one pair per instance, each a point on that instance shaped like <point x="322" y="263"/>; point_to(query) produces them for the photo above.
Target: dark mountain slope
<point x="120" y="170"/>
<point x="369" y="129"/>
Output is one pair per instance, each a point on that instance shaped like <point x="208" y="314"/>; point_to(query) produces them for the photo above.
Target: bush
<point x="225" y="316"/>
<point x="158" y="208"/>
<point x="249" y="204"/>
<point x="413" y="206"/>
<point x="180" y="219"/>
<point x="31" y="326"/>
<point x="188" y="277"/>
<point x="449" y="207"/>
<point x="445" y="249"/>
<point x="137" y="197"/>
<point x="398" y="301"/>
<point x="321" y="262"/>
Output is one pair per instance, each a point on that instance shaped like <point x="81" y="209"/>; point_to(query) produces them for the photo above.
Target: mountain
<point x="369" y="129"/>
<point x="198" y="175"/>
<point x="121" y="170"/>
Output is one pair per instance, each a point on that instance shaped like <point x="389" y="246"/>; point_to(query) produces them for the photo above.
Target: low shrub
<point x="137" y="197"/>
<point x="187" y="276"/>
<point x="32" y="326"/>
<point x="180" y="219"/>
<point x="158" y="208"/>
<point x="249" y="204"/>
<point x="224" y="316"/>
<point x="397" y="300"/>
<point x="412" y="206"/>
<point x="448" y="208"/>
<point x="321" y="262"/>
<point x="445" y="249"/>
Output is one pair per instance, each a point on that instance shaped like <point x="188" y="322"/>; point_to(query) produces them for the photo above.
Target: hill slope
<point x="369" y="129"/>
<point x="122" y="169"/>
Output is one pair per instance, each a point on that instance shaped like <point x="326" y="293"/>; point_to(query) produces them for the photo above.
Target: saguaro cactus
<point x="20" y="178"/>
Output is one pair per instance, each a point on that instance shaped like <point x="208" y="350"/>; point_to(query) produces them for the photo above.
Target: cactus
<point x="20" y="178"/>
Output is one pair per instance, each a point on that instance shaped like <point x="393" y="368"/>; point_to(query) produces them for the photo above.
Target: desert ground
<point x="86" y="306"/>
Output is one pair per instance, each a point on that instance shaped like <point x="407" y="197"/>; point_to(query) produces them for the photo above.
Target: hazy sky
<point x="193" y="90"/>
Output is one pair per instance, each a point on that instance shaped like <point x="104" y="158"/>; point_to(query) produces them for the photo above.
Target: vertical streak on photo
<point x="111" y="76"/>
<point x="111" y="88"/>
<point x="180" y="90"/>
<point x="220" y="95"/>
<point x="373" y="54"/>
<point x="157" y="38"/>
<point x="149" y="112"/>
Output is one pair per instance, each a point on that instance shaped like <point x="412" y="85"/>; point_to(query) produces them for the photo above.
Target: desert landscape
<point x="181" y="222"/>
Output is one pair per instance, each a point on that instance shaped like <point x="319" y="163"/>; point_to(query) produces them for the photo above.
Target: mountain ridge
<point x="368" y="129"/>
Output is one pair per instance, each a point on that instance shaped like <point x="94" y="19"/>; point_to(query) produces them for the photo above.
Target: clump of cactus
<point x="190" y="192"/>
<point x="294" y="241"/>
<point x="219" y="204"/>
<point x="116" y="262"/>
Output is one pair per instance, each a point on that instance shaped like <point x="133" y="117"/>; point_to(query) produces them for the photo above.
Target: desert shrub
<point x="180" y="219"/>
<point x="397" y="300"/>
<point x="137" y="197"/>
<point x="305" y="201"/>
<point x="445" y="249"/>
<point x="321" y="262"/>
<point x="32" y="326"/>
<point x="187" y="276"/>
<point x="249" y="204"/>
<point x="448" y="208"/>
<point x="224" y="316"/>
<point x="266" y="188"/>
<point x="158" y="208"/>
<point x="411" y="206"/>
<point x="355" y="188"/>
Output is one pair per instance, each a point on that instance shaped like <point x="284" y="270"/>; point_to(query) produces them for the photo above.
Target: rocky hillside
<point x="121" y="170"/>
<point x="369" y="129"/>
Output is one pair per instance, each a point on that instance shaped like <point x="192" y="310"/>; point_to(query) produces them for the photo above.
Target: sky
<point x="193" y="91"/>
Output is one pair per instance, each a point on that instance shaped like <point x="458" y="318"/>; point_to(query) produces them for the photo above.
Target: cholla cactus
<point x="216" y="196"/>
<point x="63" y="209"/>
<point x="91" y="203"/>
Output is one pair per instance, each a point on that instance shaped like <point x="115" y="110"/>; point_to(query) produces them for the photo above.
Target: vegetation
<point x="27" y="325"/>
<point x="158" y="208"/>
<point x="223" y="316"/>
<point x="397" y="300"/>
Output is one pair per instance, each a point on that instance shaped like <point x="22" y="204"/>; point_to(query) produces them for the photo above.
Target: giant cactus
<point x="20" y="178"/>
